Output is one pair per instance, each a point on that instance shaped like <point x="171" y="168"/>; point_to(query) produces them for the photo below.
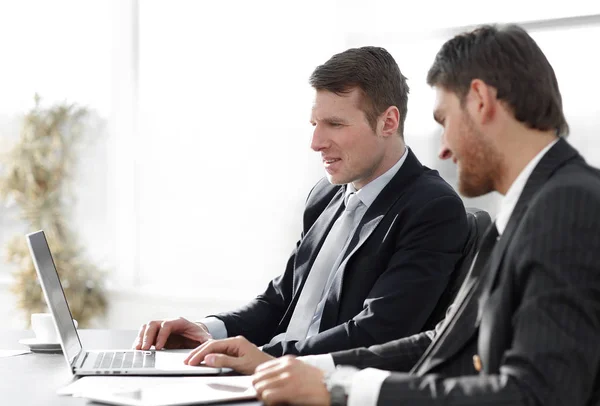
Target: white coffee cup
<point x="44" y="329"/>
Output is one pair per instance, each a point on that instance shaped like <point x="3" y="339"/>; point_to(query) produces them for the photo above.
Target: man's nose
<point x="318" y="140"/>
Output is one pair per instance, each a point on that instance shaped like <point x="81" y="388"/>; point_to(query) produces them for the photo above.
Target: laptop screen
<point x="55" y="296"/>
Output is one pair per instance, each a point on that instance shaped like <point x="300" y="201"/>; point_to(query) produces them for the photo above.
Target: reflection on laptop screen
<point x="55" y="296"/>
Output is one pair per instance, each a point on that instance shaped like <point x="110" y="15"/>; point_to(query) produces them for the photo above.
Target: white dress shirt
<point x="367" y="195"/>
<point x="508" y="203"/>
<point x="366" y="383"/>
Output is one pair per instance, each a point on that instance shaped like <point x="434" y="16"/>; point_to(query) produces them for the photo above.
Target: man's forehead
<point x="444" y="99"/>
<point x="441" y="96"/>
<point x="350" y="96"/>
<point x="326" y="102"/>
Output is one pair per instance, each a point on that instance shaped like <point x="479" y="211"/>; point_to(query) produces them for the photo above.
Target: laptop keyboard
<point x="125" y="359"/>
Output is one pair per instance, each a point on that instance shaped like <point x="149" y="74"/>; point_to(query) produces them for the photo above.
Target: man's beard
<point x="477" y="163"/>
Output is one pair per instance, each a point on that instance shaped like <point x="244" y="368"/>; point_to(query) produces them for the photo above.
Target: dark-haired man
<point x="381" y="235"/>
<point x="525" y="327"/>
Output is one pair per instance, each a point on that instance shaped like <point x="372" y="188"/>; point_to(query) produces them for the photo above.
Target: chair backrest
<point x="479" y="220"/>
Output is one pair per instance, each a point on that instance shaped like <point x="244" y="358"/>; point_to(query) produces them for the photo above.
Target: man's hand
<point x="172" y="334"/>
<point x="237" y="353"/>
<point x="288" y="380"/>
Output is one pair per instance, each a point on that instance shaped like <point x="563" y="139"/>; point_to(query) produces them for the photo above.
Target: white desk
<point x="33" y="379"/>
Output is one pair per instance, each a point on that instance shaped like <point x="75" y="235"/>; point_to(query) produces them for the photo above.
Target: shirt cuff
<point x="324" y="362"/>
<point x="215" y="327"/>
<point x="366" y="385"/>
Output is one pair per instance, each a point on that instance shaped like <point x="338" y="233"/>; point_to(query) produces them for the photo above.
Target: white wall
<point x="225" y="165"/>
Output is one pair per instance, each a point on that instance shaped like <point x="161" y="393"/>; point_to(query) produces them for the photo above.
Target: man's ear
<point x="389" y="121"/>
<point x="481" y="101"/>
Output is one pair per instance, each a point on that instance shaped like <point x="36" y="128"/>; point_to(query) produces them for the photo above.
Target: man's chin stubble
<point x="473" y="189"/>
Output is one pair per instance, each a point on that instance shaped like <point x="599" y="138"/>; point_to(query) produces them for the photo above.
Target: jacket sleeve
<point x="398" y="355"/>
<point x="258" y="320"/>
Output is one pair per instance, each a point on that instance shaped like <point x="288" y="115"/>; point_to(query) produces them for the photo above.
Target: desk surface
<point x="33" y="379"/>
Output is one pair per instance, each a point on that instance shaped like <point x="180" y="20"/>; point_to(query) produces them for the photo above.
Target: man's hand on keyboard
<point x="236" y="353"/>
<point x="171" y="334"/>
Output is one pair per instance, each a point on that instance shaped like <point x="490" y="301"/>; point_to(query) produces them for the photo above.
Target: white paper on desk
<point x="12" y="353"/>
<point x="94" y="384"/>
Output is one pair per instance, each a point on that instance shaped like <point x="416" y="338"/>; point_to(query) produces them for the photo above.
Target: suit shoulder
<point x="430" y="185"/>
<point x="569" y="200"/>
<point x="428" y="197"/>
<point x="323" y="190"/>
<point x="578" y="178"/>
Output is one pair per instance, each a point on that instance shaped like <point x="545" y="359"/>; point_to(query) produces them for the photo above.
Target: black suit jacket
<point x="395" y="269"/>
<point x="532" y="317"/>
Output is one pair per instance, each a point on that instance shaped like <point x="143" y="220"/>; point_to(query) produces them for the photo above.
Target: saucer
<point x="37" y="346"/>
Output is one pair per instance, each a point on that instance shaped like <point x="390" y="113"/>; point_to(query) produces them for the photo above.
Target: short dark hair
<point x="508" y="59"/>
<point x="375" y="72"/>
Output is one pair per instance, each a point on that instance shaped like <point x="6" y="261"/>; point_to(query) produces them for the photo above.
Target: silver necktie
<point x="321" y="269"/>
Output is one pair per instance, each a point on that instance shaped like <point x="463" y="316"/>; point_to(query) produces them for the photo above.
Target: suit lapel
<point x="410" y="170"/>
<point x="554" y="158"/>
<point x="463" y="324"/>
<point x="313" y="240"/>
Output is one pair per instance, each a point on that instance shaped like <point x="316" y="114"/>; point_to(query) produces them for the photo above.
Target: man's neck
<point x="393" y="154"/>
<point x="518" y="151"/>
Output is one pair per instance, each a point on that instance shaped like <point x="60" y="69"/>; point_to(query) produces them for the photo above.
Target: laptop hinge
<point x="79" y="360"/>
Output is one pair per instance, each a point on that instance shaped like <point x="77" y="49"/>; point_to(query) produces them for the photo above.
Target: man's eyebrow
<point x="335" y="119"/>
<point x="329" y="120"/>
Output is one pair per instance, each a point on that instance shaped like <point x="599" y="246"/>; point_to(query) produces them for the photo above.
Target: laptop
<point x="110" y="362"/>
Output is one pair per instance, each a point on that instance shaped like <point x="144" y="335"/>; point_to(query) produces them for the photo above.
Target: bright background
<point x="193" y="196"/>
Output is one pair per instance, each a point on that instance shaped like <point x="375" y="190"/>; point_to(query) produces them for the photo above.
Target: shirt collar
<point x="508" y="203"/>
<point x="368" y="193"/>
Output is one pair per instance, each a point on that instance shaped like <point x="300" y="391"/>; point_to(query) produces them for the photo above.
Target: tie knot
<point x="352" y="202"/>
<point x="489" y="239"/>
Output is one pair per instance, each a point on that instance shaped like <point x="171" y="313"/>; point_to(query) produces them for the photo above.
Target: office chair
<point x="479" y="220"/>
